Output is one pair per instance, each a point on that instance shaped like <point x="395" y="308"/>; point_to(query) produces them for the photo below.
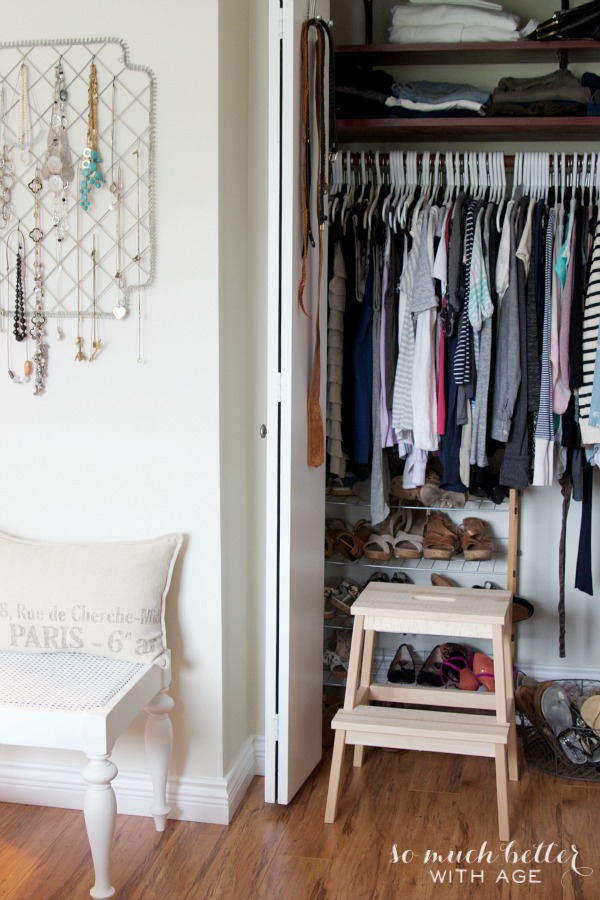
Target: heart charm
<point x="119" y="312"/>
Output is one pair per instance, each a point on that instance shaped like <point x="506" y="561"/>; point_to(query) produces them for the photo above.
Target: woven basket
<point x="542" y="755"/>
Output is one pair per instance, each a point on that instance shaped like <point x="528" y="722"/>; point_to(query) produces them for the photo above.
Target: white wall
<point x="120" y="450"/>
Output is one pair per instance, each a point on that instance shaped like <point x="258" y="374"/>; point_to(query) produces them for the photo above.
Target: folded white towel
<point x="449" y="34"/>
<point x="471" y="105"/>
<point x="446" y="14"/>
<point x="484" y="4"/>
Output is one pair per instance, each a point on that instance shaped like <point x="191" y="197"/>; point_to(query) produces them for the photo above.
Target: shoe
<point x="328" y="610"/>
<point x="378" y="576"/>
<point x="349" y="543"/>
<point x="456" y="667"/>
<point x="521" y="608"/>
<point x="430" y="492"/>
<point x="440" y="540"/>
<point x="344" y="596"/>
<point x="408" y="544"/>
<point x="590" y="712"/>
<point x="452" y="500"/>
<point x="341" y="487"/>
<point x="342" y="645"/>
<point x="381" y="545"/>
<point x="430" y="673"/>
<point x="475" y="542"/>
<point x="483" y="670"/>
<point x="573" y="741"/>
<point x="401" y="578"/>
<point x="333" y="527"/>
<point x="337" y="666"/>
<point x="406" y="496"/>
<point x="402" y="667"/>
<point x="442" y="580"/>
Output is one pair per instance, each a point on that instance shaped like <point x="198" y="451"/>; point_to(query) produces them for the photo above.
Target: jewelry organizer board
<point x="107" y="253"/>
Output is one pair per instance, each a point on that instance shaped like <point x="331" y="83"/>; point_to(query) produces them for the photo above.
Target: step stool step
<point x="439" y="727"/>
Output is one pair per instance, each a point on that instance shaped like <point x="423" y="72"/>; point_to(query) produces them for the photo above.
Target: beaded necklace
<point x="92" y="176"/>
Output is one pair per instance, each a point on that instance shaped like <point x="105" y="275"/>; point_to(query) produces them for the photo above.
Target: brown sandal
<point x="349" y="545"/>
<point x="333" y="527"/>
<point x="440" y="540"/>
<point x="475" y="541"/>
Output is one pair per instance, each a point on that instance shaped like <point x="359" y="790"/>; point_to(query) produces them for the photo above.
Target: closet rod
<point x="369" y="158"/>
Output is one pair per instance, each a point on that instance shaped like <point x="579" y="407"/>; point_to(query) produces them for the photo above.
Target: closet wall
<point x="541" y="508"/>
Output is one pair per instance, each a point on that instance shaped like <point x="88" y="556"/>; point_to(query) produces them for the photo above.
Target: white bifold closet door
<point x="296" y="493"/>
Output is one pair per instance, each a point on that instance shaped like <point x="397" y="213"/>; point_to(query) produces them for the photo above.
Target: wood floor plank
<point x="64" y="859"/>
<point x="25" y="835"/>
<point x="575" y="798"/>
<point x="173" y="865"/>
<point x="393" y="804"/>
<point x="239" y="863"/>
<point x="295" y="878"/>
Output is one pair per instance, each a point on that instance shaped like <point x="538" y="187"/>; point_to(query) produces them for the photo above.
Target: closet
<point x="296" y="501"/>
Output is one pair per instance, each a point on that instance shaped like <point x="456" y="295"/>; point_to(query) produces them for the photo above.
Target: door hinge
<point x="281" y="21"/>
<point x="276" y="728"/>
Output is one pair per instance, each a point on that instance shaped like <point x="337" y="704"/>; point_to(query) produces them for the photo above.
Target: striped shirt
<point x="591" y="322"/>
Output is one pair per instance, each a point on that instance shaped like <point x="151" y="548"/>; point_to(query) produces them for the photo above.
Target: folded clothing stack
<point x="557" y="93"/>
<point x="454" y="22"/>
<point x="361" y="91"/>
<point x="591" y="81"/>
<point x="436" y="99"/>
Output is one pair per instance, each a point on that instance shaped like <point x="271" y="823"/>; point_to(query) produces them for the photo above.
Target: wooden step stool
<point x="451" y="612"/>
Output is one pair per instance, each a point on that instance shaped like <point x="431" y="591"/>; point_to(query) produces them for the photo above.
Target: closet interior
<point x="459" y="368"/>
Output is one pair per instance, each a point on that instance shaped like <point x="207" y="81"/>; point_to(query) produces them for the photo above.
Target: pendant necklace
<point x="80" y="355"/>
<point x="38" y="318"/>
<point x="58" y="169"/>
<point x="20" y="314"/>
<point x="7" y="178"/>
<point x="96" y="343"/>
<point x="120" y="310"/>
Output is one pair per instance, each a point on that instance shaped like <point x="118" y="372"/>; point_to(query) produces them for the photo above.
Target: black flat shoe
<point x="401" y="578"/>
<point x="378" y="576"/>
<point x="430" y="673"/>
<point x="402" y="667"/>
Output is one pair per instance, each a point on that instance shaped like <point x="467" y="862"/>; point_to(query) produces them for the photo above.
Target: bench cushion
<point x="106" y="599"/>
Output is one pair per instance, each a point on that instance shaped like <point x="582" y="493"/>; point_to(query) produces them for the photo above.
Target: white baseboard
<point x="212" y="800"/>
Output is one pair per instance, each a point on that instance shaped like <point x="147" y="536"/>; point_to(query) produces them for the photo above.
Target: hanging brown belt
<point x="323" y="42"/>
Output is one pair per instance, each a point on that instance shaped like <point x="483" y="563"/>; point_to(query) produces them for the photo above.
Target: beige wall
<point x="126" y="450"/>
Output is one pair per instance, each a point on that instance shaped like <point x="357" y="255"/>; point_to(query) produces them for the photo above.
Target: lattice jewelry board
<point x="77" y="224"/>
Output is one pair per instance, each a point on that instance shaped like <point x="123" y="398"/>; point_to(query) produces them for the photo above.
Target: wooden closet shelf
<point x="492" y="128"/>
<point x="471" y="52"/>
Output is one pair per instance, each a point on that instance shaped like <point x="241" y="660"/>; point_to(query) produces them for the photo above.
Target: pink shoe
<point x="483" y="669"/>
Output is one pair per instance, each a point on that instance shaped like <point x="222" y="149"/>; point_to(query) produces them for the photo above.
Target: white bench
<point x="107" y="599"/>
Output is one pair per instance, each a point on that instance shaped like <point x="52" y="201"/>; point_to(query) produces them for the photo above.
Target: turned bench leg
<point x="159" y="744"/>
<point x="100" y="812"/>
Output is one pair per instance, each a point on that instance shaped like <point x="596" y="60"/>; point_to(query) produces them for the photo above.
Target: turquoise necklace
<point x="92" y="176"/>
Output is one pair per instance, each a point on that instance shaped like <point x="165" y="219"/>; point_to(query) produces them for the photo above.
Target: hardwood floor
<point x="414" y="802"/>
